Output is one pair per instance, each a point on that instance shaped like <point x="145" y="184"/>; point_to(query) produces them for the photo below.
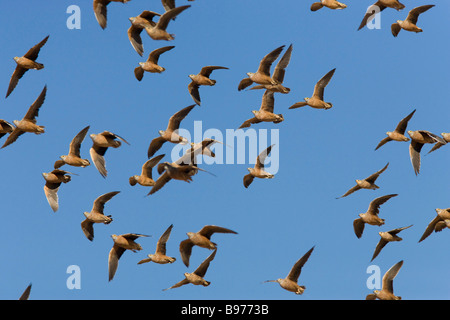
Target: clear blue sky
<point x="379" y="79"/>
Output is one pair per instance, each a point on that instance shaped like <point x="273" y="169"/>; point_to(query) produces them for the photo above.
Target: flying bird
<point x="201" y="239"/>
<point x="316" y="101"/>
<point x="196" y="277"/>
<point x="74" y="156"/>
<point x="100" y="10"/>
<point x="399" y="133"/>
<point x="262" y="75"/>
<point x="290" y="282"/>
<point x="169" y="171"/>
<point x="160" y="254"/>
<point x="386" y="237"/>
<point x="53" y="181"/>
<point x="331" y="4"/>
<point x="371" y="215"/>
<point x="151" y="65"/>
<point x="170" y="134"/>
<point x="437" y="145"/>
<point x="201" y="79"/>
<point x="28" y="122"/>
<point x="96" y="215"/>
<point x="439" y="223"/>
<point x="146" y="177"/>
<point x="265" y="112"/>
<point x="387" y="285"/>
<point x="258" y="170"/>
<point x="121" y="244"/>
<point x="367" y="183"/>
<point x="198" y="148"/>
<point x="100" y="144"/>
<point x="158" y="31"/>
<point x="411" y="20"/>
<point x="278" y="74"/>
<point x="377" y="7"/>
<point x="139" y="23"/>
<point x="25" y="63"/>
<point x="418" y="139"/>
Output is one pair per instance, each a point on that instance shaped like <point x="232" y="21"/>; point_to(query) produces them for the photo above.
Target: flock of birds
<point x="186" y="167"/>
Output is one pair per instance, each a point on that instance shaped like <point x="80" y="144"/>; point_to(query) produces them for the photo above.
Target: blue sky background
<point x="379" y="80"/>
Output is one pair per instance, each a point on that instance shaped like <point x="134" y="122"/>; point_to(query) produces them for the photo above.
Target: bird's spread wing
<point x="209" y="230"/>
<point x="88" y="229"/>
<point x="100" y="12"/>
<point x="175" y="120"/>
<point x="154" y="55"/>
<point x="358" y="227"/>
<point x="150" y="164"/>
<point x="350" y="191"/>
<point x="248" y="179"/>
<point x="268" y="101"/>
<point x="161" y="244"/>
<point x="75" y="144"/>
<point x="186" y="251"/>
<point x="99" y="203"/>
<point x="266" y="62"/>
<point x="194" y="92"/>
<point x="297" y="268"/>
<point x="319" y="88"/>
<point x="155" y="145"/>
<point x="375" y="176"/>
<point x="33" y="111"/>
<point x="280" y="68"/>
<point x="203" y="267"/>
<point x="206" y="71"/>
<point x="401" y="127"/>
<point x="414" y="154"/>
<point x="160" y="182"/>
<point x="370" y="13"/>
<point x="97" y="157"/>
<point x="134" y="35"/>
<point x="262" y="157"/>
<point x="413" y="15"/>
<point x="374" y="206"/>
<point x="383" y="142"/>
<point x="388" y="278"/>
<point x="164" y="20"/>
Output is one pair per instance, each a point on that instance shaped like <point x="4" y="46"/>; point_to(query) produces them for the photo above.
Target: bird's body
<point x="158" y="31"/>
